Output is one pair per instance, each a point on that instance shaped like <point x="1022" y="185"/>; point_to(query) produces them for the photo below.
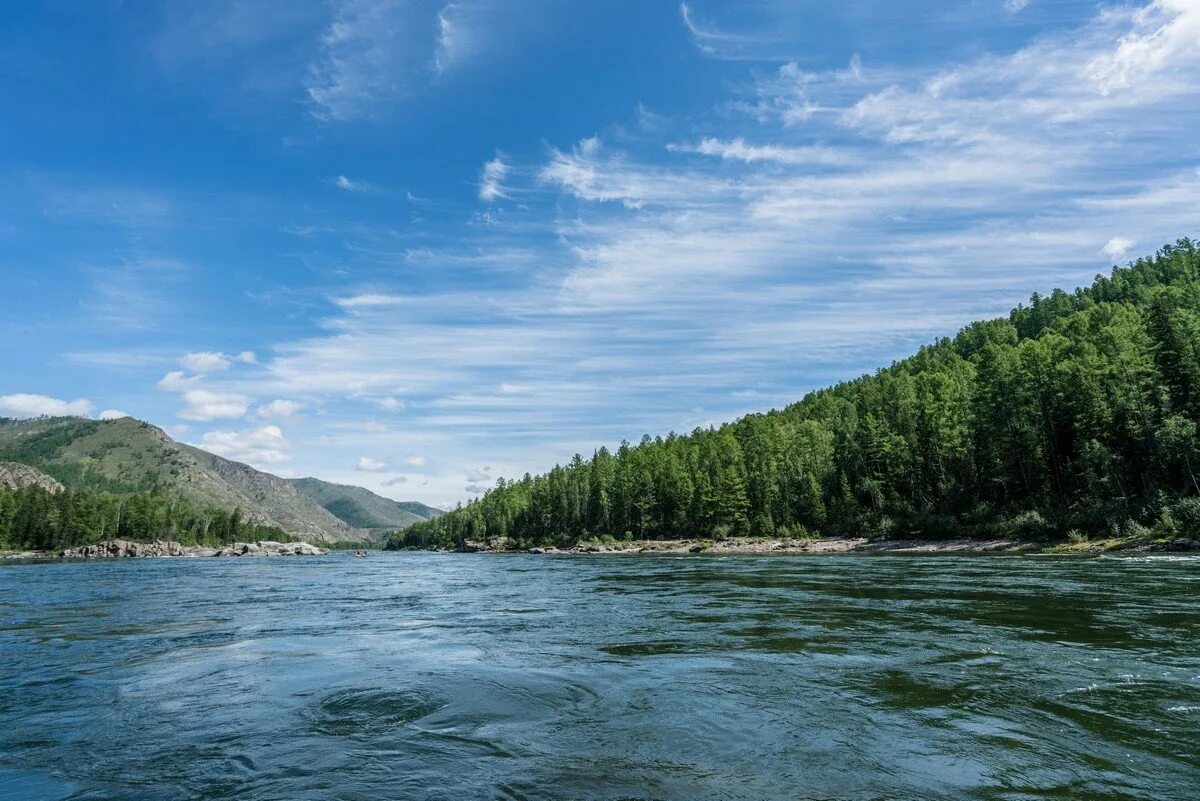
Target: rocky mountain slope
<point x="128" y="455"/>
<point x="15" y="475"/>
<point x="362" y="508"/>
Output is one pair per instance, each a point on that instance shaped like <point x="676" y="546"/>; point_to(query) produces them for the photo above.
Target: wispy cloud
<point x="137" y="294"/>
<point x="367" y="58"/>
<point x="460" y="33"/>
<point x="351" y="185"/>
<point x="491" y="180"/>
<point x="736" y="149"/>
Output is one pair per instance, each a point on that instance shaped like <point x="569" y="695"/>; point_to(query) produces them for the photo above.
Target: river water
<point x="425" y="676"/>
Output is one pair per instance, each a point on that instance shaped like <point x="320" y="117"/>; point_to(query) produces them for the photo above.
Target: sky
<point x="417" y="246"/>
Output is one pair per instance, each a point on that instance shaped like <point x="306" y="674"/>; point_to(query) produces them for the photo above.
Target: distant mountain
<point x="127" y="455"/>
<point x="362" y="508"/>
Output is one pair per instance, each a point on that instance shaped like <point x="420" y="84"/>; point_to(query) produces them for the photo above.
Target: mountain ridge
<point x="362" y="508"/>
<point x="129" y="455"/>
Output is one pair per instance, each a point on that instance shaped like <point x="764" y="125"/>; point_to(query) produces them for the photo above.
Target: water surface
<point x="423" y="676"/>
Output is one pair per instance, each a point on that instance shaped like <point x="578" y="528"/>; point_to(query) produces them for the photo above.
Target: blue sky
<point x="420" y="245"/>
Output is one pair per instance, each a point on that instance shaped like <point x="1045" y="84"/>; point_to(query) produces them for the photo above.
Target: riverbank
<point x="848" y="545"/>
<point x="126" y="549"/>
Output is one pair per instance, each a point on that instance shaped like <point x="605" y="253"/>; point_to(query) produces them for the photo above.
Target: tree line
<point x="37" y="519"/>
<point x="1075" y="415"/>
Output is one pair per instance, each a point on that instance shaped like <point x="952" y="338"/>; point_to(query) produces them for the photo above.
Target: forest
<point x="37" y="519"/>
<point x="1075" y="417"/>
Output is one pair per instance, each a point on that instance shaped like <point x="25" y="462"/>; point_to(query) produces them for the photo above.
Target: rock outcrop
<point x="122" y="549"/>
<point x="17" y="476"/>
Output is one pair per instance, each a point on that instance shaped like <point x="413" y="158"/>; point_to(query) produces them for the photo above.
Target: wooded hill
<point x="1075" y="415"/>
<point x="127" y="457"/>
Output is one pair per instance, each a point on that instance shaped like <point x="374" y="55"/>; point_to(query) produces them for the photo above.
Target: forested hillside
<point x="39" y="519"/>
<point x="1075" y="415"/>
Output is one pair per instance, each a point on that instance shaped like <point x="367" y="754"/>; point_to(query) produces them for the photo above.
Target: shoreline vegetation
<point x="1071" y="421"/>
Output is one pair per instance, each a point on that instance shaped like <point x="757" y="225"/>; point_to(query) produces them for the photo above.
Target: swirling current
<point x="436" y="676"/>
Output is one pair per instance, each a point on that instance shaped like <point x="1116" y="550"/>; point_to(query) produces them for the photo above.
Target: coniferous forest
<point x="1074" y="416"/>
<point x="37" y="519"/>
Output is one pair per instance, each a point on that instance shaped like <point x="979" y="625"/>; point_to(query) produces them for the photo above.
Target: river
<point x="430" y="676"/>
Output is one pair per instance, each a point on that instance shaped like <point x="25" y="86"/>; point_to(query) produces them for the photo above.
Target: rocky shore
<point x="825" y="545"/>
<point x="125" y="549"/>
<point x="845" y="545"/>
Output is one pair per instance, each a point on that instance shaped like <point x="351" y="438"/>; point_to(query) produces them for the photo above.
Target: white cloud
<point x="247" y="357"/>
<point x="491" y="180"/>
<point x="1117" y="247"/>
<point x="1015" y="6"/>
<point x="460" y="34"/>
<point x="390" y="404"/>
<point x="205" y="404"/>
<point x="261" y="446"/>
<point x="590" y="173"/>
<point x="374" y="426"/>
<point x="279" y="408"/>
<point x="199" y="403"/>
<point x="205" y="362"/>
<point x="712" y="41"/>
<point x="367" y="58"/>
<point x="113" y="414"/>
<point x="416" y="460"/>
<point x="737" y="150"/>
<point x="344" y="183"/>
<point x="1166" y="34"/>
<point x="367" y="464"/>
<point x="28" y="405"/>
<point x="177" y="381"/>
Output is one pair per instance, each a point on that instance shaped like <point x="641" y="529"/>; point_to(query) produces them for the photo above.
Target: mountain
<point x="362" y="508"/>
<point x="1075" y="416"/>
<point x="127" y="455"/>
